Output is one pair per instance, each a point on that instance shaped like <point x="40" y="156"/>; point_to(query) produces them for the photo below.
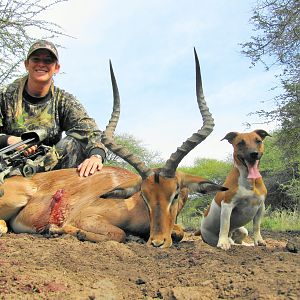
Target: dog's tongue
<point x="253" y="172"/>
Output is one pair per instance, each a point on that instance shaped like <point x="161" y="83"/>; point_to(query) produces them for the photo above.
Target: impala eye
<point x="176" y="196"/>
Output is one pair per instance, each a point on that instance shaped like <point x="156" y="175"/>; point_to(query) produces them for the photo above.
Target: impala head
<point x="165" y="197"/>
<point x="161" y="195"/>
<point x="164" y="190"/>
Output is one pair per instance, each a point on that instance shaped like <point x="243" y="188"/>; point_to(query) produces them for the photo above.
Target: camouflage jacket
<point x="61" y="113"/>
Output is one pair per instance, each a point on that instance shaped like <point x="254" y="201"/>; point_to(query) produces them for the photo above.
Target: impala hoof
<point x="3" y="227"/>
<point x="81" y="236"/>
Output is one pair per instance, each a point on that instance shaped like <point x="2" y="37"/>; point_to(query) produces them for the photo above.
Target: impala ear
<point x="124" y="191"/>
<point x="198" y="184"/>
<point x="206" y="187"/>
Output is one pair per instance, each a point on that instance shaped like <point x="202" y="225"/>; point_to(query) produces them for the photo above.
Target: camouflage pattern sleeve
<point x="3" y="136"/>
<point x="77" y="124"/>
<point x="2" y="92"/>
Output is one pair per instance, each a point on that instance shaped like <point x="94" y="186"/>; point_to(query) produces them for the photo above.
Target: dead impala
<point x="114" y="201"/>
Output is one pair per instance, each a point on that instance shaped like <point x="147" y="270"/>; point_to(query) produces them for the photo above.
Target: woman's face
<point x="41" y="66"/>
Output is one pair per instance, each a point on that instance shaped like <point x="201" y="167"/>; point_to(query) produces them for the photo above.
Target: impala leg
<point x="177" y="233"/>
<point x="105" y="232"/>
<point x="95" y="229"/>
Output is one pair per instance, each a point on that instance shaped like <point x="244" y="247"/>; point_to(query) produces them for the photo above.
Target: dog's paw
<point x="247" y="244"/>
<point x="224" y="244"/>
<point x="260" y="242"/>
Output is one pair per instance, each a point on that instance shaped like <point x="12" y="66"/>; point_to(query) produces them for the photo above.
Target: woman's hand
<point x="15" y="139"/>
<point x="89" y="166"/>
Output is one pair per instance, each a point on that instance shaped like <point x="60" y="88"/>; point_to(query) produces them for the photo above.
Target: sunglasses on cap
<point x="46" y="60"/>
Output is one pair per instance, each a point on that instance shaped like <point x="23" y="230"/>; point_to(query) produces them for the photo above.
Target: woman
<point x="33" y="102"/>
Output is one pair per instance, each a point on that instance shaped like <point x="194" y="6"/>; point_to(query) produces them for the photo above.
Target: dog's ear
<point x="262" y="133"/>
<point x="230" y="137"/>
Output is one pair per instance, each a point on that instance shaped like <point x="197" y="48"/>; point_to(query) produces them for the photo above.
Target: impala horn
<point x="107" y="136"/>
<point x="208" y="124"/>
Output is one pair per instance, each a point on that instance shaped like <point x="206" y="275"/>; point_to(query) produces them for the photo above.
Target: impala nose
<point x="158" y="243"/>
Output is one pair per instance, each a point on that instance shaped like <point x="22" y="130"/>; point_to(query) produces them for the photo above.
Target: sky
<point x="150" y="44"/>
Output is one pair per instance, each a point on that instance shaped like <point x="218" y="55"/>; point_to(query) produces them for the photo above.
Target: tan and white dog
<point x="223" y="221"/>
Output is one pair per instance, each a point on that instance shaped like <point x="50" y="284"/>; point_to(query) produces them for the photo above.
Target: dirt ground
<point x="37" y="267"/>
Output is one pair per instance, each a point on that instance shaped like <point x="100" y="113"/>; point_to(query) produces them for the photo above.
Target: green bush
<point x="284" y="220"/>
<point x="212" y="169"/>
<point x="278" y="220"/>
<point x="281" y="174"/>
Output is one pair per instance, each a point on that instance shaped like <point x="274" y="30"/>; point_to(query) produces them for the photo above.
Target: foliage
<point x="282" y="192"/>
<point x="212" y="169"/>
<point x="281" y="174"/>
<point x="292" y="190"/>
<point x="289" y="135"/>
<point x="136" y="147"/>
<point x="189" y="221"/>
<point x="272" y="159"/>
<point x="277" y="27"/>
<point x="18" y="19"/>
<point x="277" y="42"/>
<point x="281" y="220"/>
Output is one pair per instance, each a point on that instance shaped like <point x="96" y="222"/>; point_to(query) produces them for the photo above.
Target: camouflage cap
<point x="43" y="44"/>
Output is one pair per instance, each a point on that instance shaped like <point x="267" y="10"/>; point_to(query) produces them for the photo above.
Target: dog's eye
<point x="241" y="143"/>
<point x="258" y="142"/>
